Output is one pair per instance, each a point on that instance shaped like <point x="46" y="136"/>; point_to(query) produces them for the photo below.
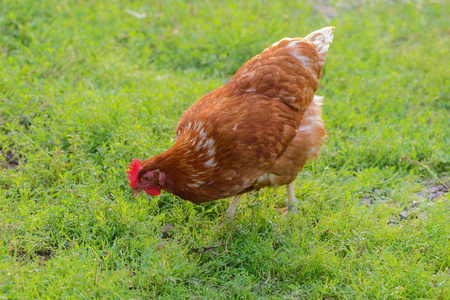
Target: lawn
<point x="86" y="86"/>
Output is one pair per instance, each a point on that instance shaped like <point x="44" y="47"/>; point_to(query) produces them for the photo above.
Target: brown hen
<point x="256" y="131"/>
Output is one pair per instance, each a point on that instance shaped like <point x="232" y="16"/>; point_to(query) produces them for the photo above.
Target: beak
<point x="136" y="192"/>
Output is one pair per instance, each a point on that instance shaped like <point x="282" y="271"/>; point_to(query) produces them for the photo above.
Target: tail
<point x="312" y="56"/>
<point x="322" y="39"/>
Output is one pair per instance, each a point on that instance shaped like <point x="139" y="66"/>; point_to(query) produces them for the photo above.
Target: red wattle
<point x="153" y="191"/>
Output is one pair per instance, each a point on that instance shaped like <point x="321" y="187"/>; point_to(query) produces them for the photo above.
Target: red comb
<point x="135" y="168"/>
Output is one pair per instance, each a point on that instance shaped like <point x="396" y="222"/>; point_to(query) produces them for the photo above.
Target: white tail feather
<point x="322" y="36"/>
<point x="322" y="39"/>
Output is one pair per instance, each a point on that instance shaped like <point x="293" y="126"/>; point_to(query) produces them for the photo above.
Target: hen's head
<point x="141" y="179"/>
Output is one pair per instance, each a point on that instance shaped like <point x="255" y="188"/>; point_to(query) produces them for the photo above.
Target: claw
<point x="285" y="210"/>
<point x="293" y="209"/>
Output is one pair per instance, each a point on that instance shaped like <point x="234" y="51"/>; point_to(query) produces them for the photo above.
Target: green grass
<point x="86" y="87"/>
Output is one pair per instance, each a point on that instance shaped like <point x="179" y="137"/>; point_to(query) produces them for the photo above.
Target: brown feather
<point x="258" y="130"/>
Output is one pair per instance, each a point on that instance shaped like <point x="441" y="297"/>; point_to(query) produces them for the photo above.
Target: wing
<point x="242" y="133"/>
<point x="251" y="130"/>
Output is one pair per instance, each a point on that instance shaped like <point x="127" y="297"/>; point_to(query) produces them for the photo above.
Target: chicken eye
<point x="146" y="178"/>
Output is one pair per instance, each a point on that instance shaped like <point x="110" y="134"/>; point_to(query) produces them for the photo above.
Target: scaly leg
<point x="234" y="204"/>
<point x="292" y="202"/>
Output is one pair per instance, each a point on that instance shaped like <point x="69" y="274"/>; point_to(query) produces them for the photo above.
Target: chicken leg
<point x="232" y="209"/>
<point x="291" y="201"/>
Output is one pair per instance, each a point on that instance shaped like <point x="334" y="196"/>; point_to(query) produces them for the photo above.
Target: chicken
<point x="256" y="131"/>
